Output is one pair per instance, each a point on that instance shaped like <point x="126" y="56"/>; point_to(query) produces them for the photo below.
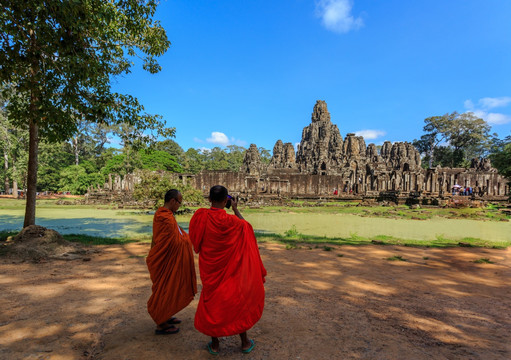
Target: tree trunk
<point x="14" y="178"/>
<point x="33" y="130"/>
<point x="33" y="148"/>
<point x="6" y="167"/>
<point x="75" y="146"/>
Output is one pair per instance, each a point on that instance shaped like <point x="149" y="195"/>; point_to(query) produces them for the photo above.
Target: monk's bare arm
<point x="235" y="208"/>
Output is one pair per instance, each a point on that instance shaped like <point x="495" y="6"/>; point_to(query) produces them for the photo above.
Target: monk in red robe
<point x="171" y="266"/>
<point x="231" y="270"/>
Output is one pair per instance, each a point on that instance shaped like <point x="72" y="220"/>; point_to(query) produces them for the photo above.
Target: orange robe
<point x="231" y="270"/>
<point x="171" y="266"/>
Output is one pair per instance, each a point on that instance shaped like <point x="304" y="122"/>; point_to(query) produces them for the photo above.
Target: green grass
<point x="396" y="258"/>
<point x="483" y="261"/>
<point x="293" y="242"/>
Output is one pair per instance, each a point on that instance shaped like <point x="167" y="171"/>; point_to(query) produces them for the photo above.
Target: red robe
<point x="171" y="266"/>
<point x="231" y="270"/>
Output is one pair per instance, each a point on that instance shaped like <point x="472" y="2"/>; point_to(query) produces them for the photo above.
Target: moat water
<point x="130" y="224"/>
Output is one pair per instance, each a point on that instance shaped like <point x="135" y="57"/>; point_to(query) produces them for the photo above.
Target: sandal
<point x="173" y="321"/>
<point x="210" y="349"/>
<point x="167" y="331"/>
<point x="246" y="351"/>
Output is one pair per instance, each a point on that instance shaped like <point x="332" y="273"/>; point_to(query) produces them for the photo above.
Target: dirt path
<point x="348" y="303"/>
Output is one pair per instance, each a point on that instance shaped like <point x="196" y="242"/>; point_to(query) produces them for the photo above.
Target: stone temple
<point x="327" y="166"/>
<point x="325" y="162"/>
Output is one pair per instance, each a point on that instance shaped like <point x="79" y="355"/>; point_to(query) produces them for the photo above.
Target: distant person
<point x="231" y="270"/>
<point x="171" y="266"/>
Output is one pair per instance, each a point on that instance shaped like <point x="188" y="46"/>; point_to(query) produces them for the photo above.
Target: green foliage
<point x="501" y="156"/>
<point x="154" y="185"/>
<point x="291" y="232"/>
<point x="115" y="165"/>
<point x="158" y="160"/>
<point x="61" y="57"/>
<point x="466" y="136"/>
<point x="75" y="179"/>
<point x="53" y="158"/>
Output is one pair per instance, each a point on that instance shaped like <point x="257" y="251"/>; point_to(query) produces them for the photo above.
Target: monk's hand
<point x="234" y="203"/>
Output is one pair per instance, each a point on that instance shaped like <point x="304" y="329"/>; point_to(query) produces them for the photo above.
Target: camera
<point x="228" y="205"/>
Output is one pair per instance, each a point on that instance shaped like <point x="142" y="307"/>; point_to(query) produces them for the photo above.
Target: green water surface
<point x="138" y="224"/>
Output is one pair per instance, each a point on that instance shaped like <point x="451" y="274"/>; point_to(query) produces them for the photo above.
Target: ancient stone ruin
<point x="326" y="166"/>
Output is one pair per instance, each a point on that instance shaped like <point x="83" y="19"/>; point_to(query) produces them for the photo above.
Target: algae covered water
<point x="133" y="224"/>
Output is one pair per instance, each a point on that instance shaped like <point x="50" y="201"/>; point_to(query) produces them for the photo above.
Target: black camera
<point x="228" y="205"/>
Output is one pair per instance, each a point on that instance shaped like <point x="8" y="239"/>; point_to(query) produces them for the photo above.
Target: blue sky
<point x="250" y="71"/>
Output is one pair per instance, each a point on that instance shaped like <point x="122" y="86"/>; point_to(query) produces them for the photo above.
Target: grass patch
<point x="340" y="255"/>
<point x="327" y="248"/>
<point x="396" y="258"/>
<point x="5" y="234"/>
<point x="354" y="239"/>
<point x="425" y="257"/>
<point x="483" y="261"/>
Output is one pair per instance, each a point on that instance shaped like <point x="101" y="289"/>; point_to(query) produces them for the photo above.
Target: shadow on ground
<point x="347" y="303"/>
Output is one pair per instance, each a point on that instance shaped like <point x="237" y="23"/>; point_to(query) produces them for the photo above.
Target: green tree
<point x="265" y="155"/>
<point x="501" y="156"/>
<point x="235" y="157"/>
<point x="159" y="160"/>
<point x="194" y="161"/>
<point x="53" y="159"/>
<point x="75" y="179"/>
<point x="61" y="57"/>
<point x="154" y="185"/>
<point x="464" y="135"/>
<point x="173" y="148"/>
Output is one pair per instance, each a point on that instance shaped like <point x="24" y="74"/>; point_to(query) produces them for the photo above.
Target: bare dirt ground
<point x="347" y="303"/>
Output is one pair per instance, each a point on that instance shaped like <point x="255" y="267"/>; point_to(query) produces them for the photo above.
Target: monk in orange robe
<point x="231" y="270"/>
<point x="171" y="266"/>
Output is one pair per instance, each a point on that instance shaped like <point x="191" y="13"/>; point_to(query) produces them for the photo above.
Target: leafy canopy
<point x="60" y="55"/>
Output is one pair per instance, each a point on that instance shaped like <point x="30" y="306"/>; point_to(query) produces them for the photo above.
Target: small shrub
<point x="327" y="248"/>
<point x="425" y="257"/>
<point x="340" y="255"/>
<point x="291" y="232"/>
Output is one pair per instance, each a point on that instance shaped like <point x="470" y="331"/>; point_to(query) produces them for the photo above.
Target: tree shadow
<point x="346" y="303"/>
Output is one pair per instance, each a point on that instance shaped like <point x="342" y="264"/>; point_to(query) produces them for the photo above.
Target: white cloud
<point x="336" y="15"/>
<point x="490" y="103"/>
<point x="218" y="138"/>
<point x="497" y="119"/>
<point x="469" y="105"/>
<point x="486" y="104"/>
<point x="370" y="134"/>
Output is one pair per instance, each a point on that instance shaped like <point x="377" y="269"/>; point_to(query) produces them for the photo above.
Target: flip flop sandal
<point x="246" y="351"/>
<point x="167" y="331"/>
<point x="173" y="321"/>
<point x="210" y="349"/>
